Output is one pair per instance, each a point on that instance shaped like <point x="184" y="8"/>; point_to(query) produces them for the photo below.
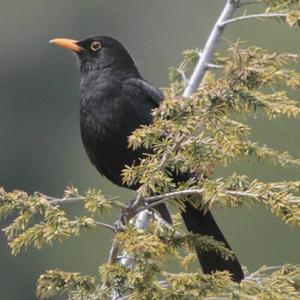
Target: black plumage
<point x="115" y="100"/>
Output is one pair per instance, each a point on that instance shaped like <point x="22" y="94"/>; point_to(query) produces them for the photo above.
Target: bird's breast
<point x="105" y="124"/>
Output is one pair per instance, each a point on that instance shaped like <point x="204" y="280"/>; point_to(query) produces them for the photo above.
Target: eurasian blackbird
<point x="115" y="100"/>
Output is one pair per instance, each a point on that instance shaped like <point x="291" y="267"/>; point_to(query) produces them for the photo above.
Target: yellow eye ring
<point x="95" y="46"/>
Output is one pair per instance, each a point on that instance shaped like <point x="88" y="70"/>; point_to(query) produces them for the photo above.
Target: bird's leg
<point x="131" y="210"/>
<point x="119" y="226"/>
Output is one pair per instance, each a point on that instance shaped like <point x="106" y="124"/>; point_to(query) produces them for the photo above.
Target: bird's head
<point x="99" y="53"/>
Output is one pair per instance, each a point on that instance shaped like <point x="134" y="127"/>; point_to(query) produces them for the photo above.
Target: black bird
<point x="115" y="100"/>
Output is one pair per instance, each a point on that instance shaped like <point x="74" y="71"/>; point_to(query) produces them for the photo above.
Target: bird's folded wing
<point x="150" y="92"/>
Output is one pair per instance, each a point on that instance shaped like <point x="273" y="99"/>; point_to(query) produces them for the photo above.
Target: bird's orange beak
<point x="67" y="44"/>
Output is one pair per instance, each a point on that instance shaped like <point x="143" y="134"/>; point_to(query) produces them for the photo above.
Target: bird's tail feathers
<point x="204" y="223"/>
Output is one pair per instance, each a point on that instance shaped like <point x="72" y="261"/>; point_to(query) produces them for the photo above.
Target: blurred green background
<point x="39" y="128"/>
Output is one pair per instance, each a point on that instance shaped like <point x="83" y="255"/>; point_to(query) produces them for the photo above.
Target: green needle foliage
<point x="196" y="135"/>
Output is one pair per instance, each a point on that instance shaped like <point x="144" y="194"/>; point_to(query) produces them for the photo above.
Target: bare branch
<point x="65" y="200"/>
<point x="214" y="66"/>
<point x="248" y="2"/>
<point x="256" y="276"/>
<point x="106" y="226"/>
<point x="256" y="16"/>
<point x="113" y="253"/>
<point x="153" y="201"/>
<point x="54" y="201"/>
<point x="210" y="46"/>
<point x="173" y="195"/>
<point x="142" y="221"/>
<point x="182" y="73"/>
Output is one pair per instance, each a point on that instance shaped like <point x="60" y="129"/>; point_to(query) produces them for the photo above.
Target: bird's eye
<point x="95" y="46"/>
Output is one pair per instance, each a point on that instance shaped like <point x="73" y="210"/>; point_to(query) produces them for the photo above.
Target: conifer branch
<point x="214" y="66"/>
<point x="141" y="223"/>
<point x="55" y="201"/>
<point x="248" y="2"/>
<point x="260" y="196"/>
<point x="112" y="228"/>
<point x="199" y="71"/>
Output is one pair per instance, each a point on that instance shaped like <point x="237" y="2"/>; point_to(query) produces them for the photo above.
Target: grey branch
<point x="248" y="2"/>
<point x="210" y="46"/>
<point x="152" y="201"/>
<point x="106" y="226"/>
<point x="256" y="16"/>
<point x="55" y="201"/>
<point x="68" y="200"/>
<point x="142" y="221"/>
<point x="214" y="66"/>
<point x="200" y="69"/>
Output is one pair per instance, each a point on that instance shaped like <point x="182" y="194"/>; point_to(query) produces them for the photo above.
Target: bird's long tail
<point x="197" y="221"/>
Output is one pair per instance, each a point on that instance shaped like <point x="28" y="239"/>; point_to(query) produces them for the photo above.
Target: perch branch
<point x="152" y="201"/>
<point x="248" y="2"/>
<point x="142" y="221"/>
<point x="106" y="226"/>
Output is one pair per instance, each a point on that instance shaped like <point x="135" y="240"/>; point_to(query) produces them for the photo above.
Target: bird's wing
<point x="150" y="92"/>
<point x="140" y="97"/>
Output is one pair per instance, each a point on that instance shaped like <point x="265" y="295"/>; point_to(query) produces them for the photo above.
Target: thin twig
<point x="65" y="200"/>
<point x="68" y="200"/>
<point x="182" y="73"/>
<point x="174" y="195"/>
<point x="141" y="223"/>
<point x="247" y="2"/>
<point x="255" y="16"/>
<point x="262" y="270"/>
<point x="214" y="66"/>
<point x="114" y="229"/>
<point x="153" y="201"/>
<point x="113" y="253"/>
<point x="153" y="204"/>
<point x="54" y="200"/>
<point x="158" y="199"/>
